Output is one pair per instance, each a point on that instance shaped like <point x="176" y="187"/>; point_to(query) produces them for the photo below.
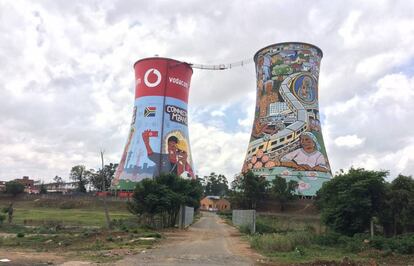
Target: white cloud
<point x="349" y="141"/>
<point x="215" y="150"/>
<point x="66" y="78"/>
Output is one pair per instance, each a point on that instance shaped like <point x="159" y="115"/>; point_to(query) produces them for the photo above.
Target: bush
<point x="66" y="205"/>
<point x="245" y="229"/>
<point x="281" y="242"/>
<point x="403" y="244"/>
<point x="2" y="218"/>
<point x="264" y="228"/>
<point x="20" y="235"/>
<point x="328" y="239"/>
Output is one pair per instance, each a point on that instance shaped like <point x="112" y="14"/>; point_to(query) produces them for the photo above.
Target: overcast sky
<point x="67" y="82"/>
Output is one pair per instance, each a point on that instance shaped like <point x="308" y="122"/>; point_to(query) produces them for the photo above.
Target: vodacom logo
<point x="156" y="73"/>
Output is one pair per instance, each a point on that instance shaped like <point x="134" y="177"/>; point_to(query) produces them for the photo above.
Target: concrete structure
<point x="185" y="217"/>
<point x="245" y="218"/>
<point x="158" y="140"/>
<point x="25" y="181"/>
<point x="286" y="138"/>
<point x="214" y="203"/>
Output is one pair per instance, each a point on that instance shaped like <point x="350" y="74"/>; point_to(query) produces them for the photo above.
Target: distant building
<point x="25" y="181"/>
<point x="214" y="203"/>
<point x="59" y="187"/>
<point x="2" y="186"/>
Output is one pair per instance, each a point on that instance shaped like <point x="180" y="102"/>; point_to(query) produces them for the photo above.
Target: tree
<point x="401" y="203"/>
<point x="248" y="189"/>
<point x="102" y="179"/>
<point x="14" y="188"/>
<point x="80" y="175"/>
<point x="58" y="179"/>
<point x="283" y="191"/>
<point x="162" y="197"/>
<point x="42" y="189"/>
<point x="215" y="185"/>
<point x="349" y="201"/>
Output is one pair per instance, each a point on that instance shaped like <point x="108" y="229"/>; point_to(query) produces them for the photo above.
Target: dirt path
<point x="210" y="241"/>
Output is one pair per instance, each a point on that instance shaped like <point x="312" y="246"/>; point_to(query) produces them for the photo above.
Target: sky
<point x="67" y="79"/>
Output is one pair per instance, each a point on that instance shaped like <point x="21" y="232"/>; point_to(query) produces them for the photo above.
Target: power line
<point x="222" y="66"/>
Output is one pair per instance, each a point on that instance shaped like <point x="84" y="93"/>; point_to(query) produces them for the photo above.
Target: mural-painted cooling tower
<point x="286" y="138"/>
<point x="158" y="139"/>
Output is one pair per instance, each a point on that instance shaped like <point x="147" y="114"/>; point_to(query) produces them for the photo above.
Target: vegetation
<point x="2" y="218"/>
<point x="101" y="179"/>
<point x="349" y="203"/>
<point x="296" y="239"/>
<point x="400" y="205"/>
<point x="58" y="179"/>
<point x="247" y="190"/>
<point x="64" y="212"/>
<point x="80" y="175"/>
<point x="157" y="201"/>
<point x="283" y="191"/>
<point x="215" y="185"/>
<point x="74" y="226"/>
<point x="42" y="189"/>
<point x="350" y="200"/>
<point x="14" y="188"/>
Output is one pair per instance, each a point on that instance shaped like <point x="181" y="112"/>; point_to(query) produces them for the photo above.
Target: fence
<point x="185" y="217"/>
<point x="245" y="218"/>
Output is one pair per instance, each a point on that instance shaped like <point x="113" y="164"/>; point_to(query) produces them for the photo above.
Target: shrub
<point x="281" y="242"/>
<point x="20" y="235"/>
<point x="245" y="229"/>
<point x="66" y="205"/>
<point x="328" y="239"/>
<point x="264" y="228"/>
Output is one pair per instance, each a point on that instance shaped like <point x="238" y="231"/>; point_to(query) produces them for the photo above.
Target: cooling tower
<point x="158" y="138"/>
<point x="286" y="138"/>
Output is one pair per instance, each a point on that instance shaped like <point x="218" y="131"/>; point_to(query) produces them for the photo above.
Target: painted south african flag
<point x="150" y="111"/>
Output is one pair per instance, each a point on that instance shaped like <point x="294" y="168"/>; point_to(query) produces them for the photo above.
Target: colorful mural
<point x="158" y="140"/>
<point x="286" y="138"/>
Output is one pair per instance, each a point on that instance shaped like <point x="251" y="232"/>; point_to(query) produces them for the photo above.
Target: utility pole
<point x="108" y="220"/>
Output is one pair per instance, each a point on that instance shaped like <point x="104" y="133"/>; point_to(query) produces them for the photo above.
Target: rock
<point x="146" y="238"/>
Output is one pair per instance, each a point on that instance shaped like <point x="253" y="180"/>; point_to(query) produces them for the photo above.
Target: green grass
<point x="67" y="217"/>
<point x="67" y="212"/>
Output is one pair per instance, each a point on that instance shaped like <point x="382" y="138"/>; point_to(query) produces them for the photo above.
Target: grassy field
<point x="74" y="228"/>
<point x="67" y="212"/>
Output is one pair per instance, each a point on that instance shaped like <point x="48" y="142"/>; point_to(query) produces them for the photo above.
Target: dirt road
<point x="209" y="241"/>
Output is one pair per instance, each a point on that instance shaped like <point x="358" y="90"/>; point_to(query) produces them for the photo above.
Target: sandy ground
<point x="210" y="241"/>
<point x="20" y="258"/>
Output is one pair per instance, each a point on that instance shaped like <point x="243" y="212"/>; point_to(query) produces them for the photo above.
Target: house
<point x="25" y="181"/>
<point x="214" y="203"/>
<point x="2" y="186"/>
